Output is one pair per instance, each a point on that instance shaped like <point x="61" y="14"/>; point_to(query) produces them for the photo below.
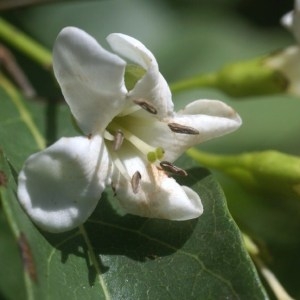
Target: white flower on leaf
<point x="287" y="61"/>
<point x="131" y="138"/>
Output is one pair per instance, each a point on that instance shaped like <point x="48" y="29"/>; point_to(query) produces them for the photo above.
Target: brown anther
<point x="135" y="181"/>
<point x="175" y="127"/>
<point x="89" y="136"/>
<point x="168" y="167"/>
<point x="114" y="189"/>
<point x="146" y="105"/>
<point x="118" y="140"/>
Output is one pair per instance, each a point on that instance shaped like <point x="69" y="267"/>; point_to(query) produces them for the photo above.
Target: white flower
<point x="131" y="138"/>
<point x="291" y="20"/>
<point x="287" y="61"/>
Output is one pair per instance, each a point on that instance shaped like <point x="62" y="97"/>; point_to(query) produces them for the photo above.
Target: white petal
<point x="291" y="20"/>
<point x="90" y="77"/>
<point x="287" y="20"/>
<point x="152" y="86"/>
<point x="296" y="25"/>
<point x="287" y="62"/>
<point x="211" y="118"/>
<point x="60" y="186"/>
<point x="158" y="196"/>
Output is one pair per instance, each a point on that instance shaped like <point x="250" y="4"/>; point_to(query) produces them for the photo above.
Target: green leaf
<point x="113" y="257"/>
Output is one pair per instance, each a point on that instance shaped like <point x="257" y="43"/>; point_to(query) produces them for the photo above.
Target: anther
<point x="175" y="127"/>
<point x="114" y="189"/>
<point x="135" y="181"/>
<point x="167" y="166"/>
<point x="118" y="140"/>
<point x="146" y="105"/>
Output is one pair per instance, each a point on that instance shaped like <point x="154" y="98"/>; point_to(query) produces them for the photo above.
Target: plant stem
<point x="211" y="160"/>
<point x="204" y="80"/>
<point x="25" y="114"/>
<point x="25" y="44"/>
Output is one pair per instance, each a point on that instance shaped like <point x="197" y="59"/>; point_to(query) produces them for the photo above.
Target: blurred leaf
<point x="11" y="4"/>
<point x="123" y="257"/>
<point x="11" y="283"/>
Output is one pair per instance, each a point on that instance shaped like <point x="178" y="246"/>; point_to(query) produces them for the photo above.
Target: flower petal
<point x="211" y="118"/>
<point x="60" y="186"/>
<point x="287" y="20"/>
<point x="152" y="86"/>
<point x="158" y="195"/>
<point x="91" y="79"/>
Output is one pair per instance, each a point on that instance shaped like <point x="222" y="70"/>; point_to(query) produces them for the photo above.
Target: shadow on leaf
<point x="140" y="239"/>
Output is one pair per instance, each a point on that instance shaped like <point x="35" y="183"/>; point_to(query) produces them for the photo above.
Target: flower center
<point x="126" y="128"/>
<point x="117" y="132"/>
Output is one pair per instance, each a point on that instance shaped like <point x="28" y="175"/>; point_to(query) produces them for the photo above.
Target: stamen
<point x="108" y="136"/>
<point x="133" y="139"/>
<point x="178" y="128"/>
<point x="118" y="140"/>
<point x="167" y="166"/>
<point x="118" y="163"/>
<point x="135" y="181"/>
<point x="114" y="189"/>
<point x="146" y="105"/>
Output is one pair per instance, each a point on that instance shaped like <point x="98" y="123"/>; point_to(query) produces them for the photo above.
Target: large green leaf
<point x="113" y="257"/>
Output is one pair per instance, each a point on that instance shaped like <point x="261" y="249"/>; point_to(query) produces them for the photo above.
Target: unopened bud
<point x="267" y="171"/>
<point x="251" y="78"/>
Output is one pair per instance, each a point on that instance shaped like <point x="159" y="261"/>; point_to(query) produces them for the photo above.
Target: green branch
<point x="19" y="40"/>
<point x="205" y="80"/>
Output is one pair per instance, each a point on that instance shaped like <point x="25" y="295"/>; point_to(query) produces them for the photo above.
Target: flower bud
<point x="267" y="171"/>
<point x="251" y="78"/>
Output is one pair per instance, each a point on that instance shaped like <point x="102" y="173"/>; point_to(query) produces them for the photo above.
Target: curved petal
<point x="291" y="20"/>
<point x="287" y="20"/>
<point x="91" y="79"/>
<point x="152" y="86"/>
<point x="60" y="186"/>
<point x="211" y="118"/>
<point x="158" y="195"/>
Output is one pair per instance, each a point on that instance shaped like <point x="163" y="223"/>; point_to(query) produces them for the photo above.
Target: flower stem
<point x="204" y="80"/>
<point x="211" y="160"/>
<point x="25" y="44"/>
<point x="25" y="115"/>
<point x="269" y="276"/>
